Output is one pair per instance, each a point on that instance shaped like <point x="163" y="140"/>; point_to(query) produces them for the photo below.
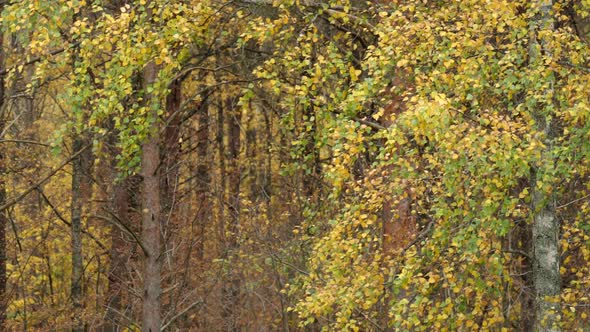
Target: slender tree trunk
<point x="151" y="316"/>
<point x="171" y="151"/>
<point x="202" y="184"/>
<point x="231" y="283"/>
<point x="267" y="178"/>
<point x="220" y="138"/>
<point x="81" y="184"/>
<point x="234" y="228"/>
<point x="169" y="175"/>
<point x="3" y="223"/>
<point x="76" y="230"/>
<point x="253" y="177"/>
<point x="203" y="180"/>
<point x="122" y="203"/>
<point x="310" y="182"/>
<point x="523" y="237"/>
<point x="545" y="242"/>
<point x="546" y="277"/>
<point x="226" y="312"/>
<point x="546" y="259"/>
<point x="3" y="216"/>
<point x="81" y="193"/>
<point x="118" y="257"/>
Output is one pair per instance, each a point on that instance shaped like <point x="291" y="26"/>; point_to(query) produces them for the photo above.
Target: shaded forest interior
<point x="281" y="165"/>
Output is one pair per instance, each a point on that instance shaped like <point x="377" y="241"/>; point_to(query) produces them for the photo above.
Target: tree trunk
<point x="76" y="230"/>
<point x="171" y="147"/>
<point x="81" y="193"/>
<point x="545" y="242"/>
<point x="81" y="184"/>
<point x="546" y="278"/>
<point x="523" y="238"/>
<point x="3" y="223"/>
<point x="234" y="195"/>
<point x="3" y="216"/>
<point x="220" y="140"/>
<point x="151" y="218"/>
<point x="118" y="258"/>
<point x="231" y="284"/>
<point x="203" y="180"/>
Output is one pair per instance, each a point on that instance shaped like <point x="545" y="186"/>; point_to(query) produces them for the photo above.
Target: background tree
<point x="285" y="165"/>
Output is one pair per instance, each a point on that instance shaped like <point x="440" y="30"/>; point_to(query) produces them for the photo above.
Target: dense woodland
<point x="294" y="165"/>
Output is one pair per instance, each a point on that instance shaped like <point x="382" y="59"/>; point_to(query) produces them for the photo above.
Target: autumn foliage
<point x="259" y="165"/>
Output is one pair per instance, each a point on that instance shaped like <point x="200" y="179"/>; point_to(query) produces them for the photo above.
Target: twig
<point x="175" y="317"/>
<point x="573" y="202"/>
<point x="371" y="124"/>
<point x="117" y="222"/>
<point x="109" y="308"/>
<point x="278" y="259"/>
<point x="60" y="217"/>
<point x="23" y="142"/>
<point x="419" y="237"/>
<point x="517" y="251"/>
<point x="39" y="58"/>
<point x="22" y="195"/>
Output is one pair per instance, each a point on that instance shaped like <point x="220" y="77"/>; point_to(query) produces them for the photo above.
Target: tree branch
<point x="117" y="222"/>
<point x="22" y="195"/>
<point x="39" y="58"/>
<point x="182" y="312"/>
<point x="19" y="141"/>
<point x="60" y="217"/>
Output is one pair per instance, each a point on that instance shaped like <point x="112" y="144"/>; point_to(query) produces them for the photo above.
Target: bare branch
<point x="60" y="217"/>
<point x="22" y="141"/>
<point x="182" y="312"/>
<point x="39" y="183"/>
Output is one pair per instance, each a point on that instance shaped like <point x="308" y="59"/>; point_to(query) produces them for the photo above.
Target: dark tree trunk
<point x="76" y="230"/>
<point x="220" y="140"/>
<point x="3" y="223"/>
<point x="203" y="180"/>
<point x="81" y="193"/>
<point x="231" y="284"/>
<point x="81" y="189"/>
<point x="234" y="196"/>
<point x="523" y="236"/>
<point x="171" y="151"/>
<point x="118" y="257"/>
<point x="3" y="216"/>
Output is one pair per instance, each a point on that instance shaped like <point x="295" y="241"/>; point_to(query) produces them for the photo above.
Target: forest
<point x="294" y="165"/>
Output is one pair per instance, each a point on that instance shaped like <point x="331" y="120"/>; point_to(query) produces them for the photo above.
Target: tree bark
<point x="234" y="193"/>
<point x="546" y="277"/>
<point x="81" y="192"/>
<point x="220" y="140"/>
<point x="3" y="212"/>
<point x="3" y="223"/>
<point x="231" y="284"/>
<point x="151" y="316"/>
<point x="523" y="241"/>
<point x="545" y="232"/>
<point x="171" y="147"/>
<point x="203" y="180"/>
<point x="118" y="258"/>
